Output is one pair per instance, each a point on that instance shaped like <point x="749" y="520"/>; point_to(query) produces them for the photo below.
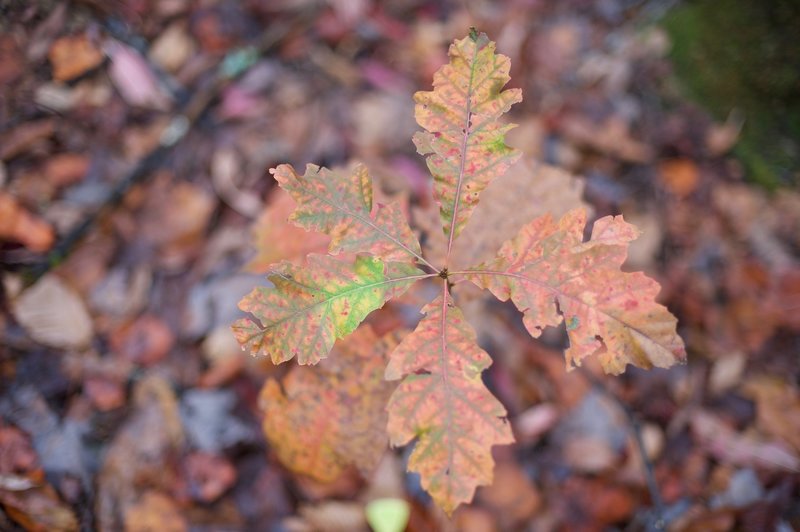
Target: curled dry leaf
<point x="320" y="420"/>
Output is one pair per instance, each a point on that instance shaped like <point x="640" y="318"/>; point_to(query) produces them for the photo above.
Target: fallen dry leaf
<point x="172" y="48"/>
<point x="19" y="225"/>
<point x="66" y="168"/>
<point x="141" y="458"/>
<point x="777" y="407"/>
<point x="208" y="475"/>
<point x="54" y="314"/>
<point x="17" y="140"/>
<point x="133" y="78"/>
<point x="511" y="495"/>
<point x="529" y="189"/>
<point x="154" y="511"/>
<point x="679" y="176"/>
<point x="146" y="341"/>
<point x="73" y="56"/>
<point x="320" y="420"/>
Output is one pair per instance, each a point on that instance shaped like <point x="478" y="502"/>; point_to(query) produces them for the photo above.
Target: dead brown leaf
<point x="20" y="225"/>
<point x="54" y="314"/>
<point x="72" y="56"/>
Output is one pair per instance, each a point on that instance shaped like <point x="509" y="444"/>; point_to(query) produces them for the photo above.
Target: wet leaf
<point x="551" y="274"/>
<point x="341" y="206"/>
<point x="310" y="307"/>
<point x="463" y="139"/>
<point x="443" y="402"/>
<point x="320" y="420"/>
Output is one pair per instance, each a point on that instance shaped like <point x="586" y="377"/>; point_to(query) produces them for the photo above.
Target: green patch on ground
<point x="745" y="55"/>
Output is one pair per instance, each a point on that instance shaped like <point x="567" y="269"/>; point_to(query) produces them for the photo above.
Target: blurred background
<point x="136" y="210"/>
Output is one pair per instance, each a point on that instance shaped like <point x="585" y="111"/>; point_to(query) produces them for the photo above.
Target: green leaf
<point x="387" y="515"/>
<point x="341" y="206"/>
<point x="444" y="403"/>
<point x="464" y="140"/>
<point x="310" y="307"/>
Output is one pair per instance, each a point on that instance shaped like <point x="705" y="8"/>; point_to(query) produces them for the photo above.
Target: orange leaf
<point x="548" y="271"/>
<point x="320" y="420"/>
<point x="464" y="141"/>
<point x="444" y="404"/>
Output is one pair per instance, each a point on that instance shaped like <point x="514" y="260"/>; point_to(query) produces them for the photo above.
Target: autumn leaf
<point x="443" y="402"/>
<point x="464" y="141"/>
<point x="320" y="420"/>
<point x="548" y="268"/>
<point x="310" y="307"/>
<point x="275" y="239"/>
<point x="341" y="206"/>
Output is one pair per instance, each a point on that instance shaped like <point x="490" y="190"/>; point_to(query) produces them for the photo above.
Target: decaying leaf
<point x="342" y="207"/>
<point x="310" y="307"/>
<point x="443" y="402"/>
<point x="463" y="139"/>
<point x="548" y="271"/>
<point x="320" y="420"/>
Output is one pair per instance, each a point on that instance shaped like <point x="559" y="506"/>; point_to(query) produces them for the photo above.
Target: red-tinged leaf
<point x="341" y="206"/>
<point x="464" y="141"/>
<point x="310" y="307"/>
<point x="275" y="239"/>
<point x="444" y="403"/>
<point x="548" y="268"/>
<point x="320" y="420"/>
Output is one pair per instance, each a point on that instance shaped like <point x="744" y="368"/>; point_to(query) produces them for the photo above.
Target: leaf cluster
<point x="547" y="270"/>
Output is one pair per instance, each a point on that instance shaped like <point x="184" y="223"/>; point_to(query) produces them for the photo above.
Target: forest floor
<point x="136" y="210"/>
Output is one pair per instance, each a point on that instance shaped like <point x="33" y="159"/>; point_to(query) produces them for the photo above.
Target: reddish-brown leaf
<point x="548" y="271"/>
<point x="463" y="138"/>
<point x="443" y="402"/>
<point x="341" y="206"/>
<point x="320" y="420"/>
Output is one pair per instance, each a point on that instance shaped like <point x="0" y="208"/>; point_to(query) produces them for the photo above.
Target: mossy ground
<point x="745" y="55"/>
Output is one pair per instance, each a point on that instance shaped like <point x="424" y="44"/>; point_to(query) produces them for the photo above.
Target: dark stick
<point x="656" y="521"/>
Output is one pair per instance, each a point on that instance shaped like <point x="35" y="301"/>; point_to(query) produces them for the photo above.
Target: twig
<point x="656" y="521"/>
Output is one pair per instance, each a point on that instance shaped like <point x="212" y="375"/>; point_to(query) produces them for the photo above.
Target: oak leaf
<point x="549" y="272"/>
<point x="444" y="403"/>
<point x="342" y="207"/>
<point x="310" y="307"/>
<point x="463" y="139"/>
<point x="320" y="420"/>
